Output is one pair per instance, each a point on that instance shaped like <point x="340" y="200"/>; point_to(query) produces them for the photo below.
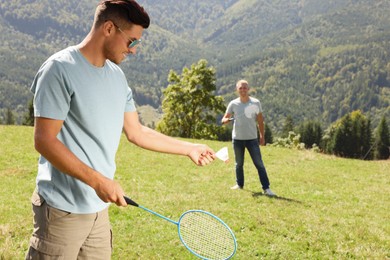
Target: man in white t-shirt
<point x="82" y="103"/>
<point x="246" y="112"/>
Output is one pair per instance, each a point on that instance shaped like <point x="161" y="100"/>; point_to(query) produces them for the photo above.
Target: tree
<point x="350" y="136"/>
<point x="382" y="140"/>
<point x="311" y="133"/>
<point x="288" y="126"/>
<point x="362" y="135"/>
<point x="29" y="116"/>
<point x="269" y="139"/>
<point x="189" y="107"/>
<point x="10" y="117"/>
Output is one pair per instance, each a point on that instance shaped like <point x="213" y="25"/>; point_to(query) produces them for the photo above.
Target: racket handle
<point x="130" y="201"/>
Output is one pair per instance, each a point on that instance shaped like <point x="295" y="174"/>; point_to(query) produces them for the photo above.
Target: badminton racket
<point x="202" y="233"/>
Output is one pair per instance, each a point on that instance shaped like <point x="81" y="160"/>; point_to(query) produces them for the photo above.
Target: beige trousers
<point x="62" y="235"/>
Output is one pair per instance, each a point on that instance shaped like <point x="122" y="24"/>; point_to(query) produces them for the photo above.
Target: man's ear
<point x="108" y="28"/>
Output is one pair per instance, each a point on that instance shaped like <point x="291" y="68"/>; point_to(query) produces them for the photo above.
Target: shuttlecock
<point x="223" y="154"/>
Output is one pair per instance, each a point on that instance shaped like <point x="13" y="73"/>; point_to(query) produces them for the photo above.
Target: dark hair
<point x="122" y="12"/>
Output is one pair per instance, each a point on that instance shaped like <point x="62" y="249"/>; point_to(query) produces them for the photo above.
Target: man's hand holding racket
<point x="109" y="191"/>
<point x="227" y="119"/>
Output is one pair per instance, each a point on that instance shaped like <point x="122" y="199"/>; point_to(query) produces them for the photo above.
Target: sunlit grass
<point x="328" y="207"/>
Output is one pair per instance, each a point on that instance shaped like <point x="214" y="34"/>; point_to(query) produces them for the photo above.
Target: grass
<point x="328" y="207"/>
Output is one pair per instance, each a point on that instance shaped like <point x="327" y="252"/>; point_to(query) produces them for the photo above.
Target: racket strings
<point x="206" y="235"/>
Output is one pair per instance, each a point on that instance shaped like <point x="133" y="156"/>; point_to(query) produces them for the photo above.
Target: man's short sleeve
<point x="130" y="105"/>
<point x="52" y="95"/>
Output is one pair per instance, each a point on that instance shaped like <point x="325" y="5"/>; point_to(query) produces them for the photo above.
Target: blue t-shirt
<point x="245" y="118"/>
<point x="92" y="102"/>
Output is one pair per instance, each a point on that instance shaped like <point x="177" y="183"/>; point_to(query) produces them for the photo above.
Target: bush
<point x="292" y="141"/>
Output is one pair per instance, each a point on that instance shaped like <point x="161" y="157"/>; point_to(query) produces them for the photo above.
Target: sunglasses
<point x="132" y="43"/>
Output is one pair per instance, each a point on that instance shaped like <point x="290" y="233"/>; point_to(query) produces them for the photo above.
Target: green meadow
<point x="327" y="207"/>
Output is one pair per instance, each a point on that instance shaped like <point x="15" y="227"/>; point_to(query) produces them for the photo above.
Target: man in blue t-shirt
<point x="247" y="113"/>
<point x="82" y="103"/>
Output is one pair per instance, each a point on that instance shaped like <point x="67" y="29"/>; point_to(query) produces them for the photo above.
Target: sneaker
<point x="269" y="192"/>
<point x="236" y="187"/>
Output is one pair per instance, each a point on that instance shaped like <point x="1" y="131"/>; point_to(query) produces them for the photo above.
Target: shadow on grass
<point x="261" y="194"/>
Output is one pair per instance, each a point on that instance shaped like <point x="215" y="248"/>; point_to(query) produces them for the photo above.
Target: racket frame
<point x="215" y="217"/>
<point x="133" y="203"/>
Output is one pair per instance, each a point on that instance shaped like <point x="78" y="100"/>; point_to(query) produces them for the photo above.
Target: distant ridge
<point x="310" y="59"/>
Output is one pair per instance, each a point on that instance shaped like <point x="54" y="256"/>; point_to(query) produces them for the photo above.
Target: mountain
<point x="309" y="59"/>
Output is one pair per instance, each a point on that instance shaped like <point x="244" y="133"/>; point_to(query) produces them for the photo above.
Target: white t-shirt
<point x="245" y="118"/>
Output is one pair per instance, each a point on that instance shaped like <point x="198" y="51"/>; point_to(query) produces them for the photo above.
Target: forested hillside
<point x="309" y="59"/>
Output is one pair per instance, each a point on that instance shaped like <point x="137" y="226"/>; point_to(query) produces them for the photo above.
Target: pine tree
<point x="288" y="126"/>
<point x="351" y="136"/>
<point x="382" y="140"/>
<point x="269" y="139"/>
<point x="10" y="119"/>
<point x="29" y="116"/>
<point x="311" y="133"/>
